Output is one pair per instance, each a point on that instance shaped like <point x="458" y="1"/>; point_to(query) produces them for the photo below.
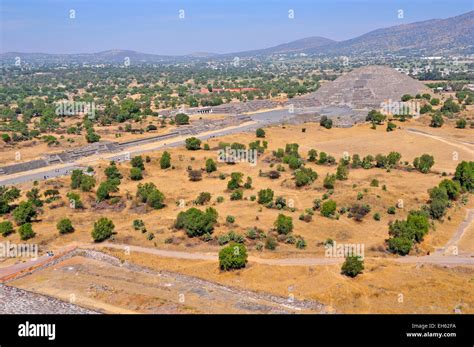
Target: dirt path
<point x="451" y="245"/>
<point x="314" y="261"/>
<point x="467" y="146"/>
<point x="446" y="255"/>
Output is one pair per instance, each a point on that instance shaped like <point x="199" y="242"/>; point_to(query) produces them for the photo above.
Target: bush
<point x="328" y="208"/>
<point x="6" y="228"/>
<point x="391" y="210"/>
<point x="374" y="183"/>
<point x="423" y="163"/>
<point x="165" y="160"/>
<point x="210" y="165"/>
<point x="391" y="126"/>
<point x="359" y="211"/>
<point x="74" y="200"/>
<point x="237" y="194"/>
<point x="103" y="229"/>
<point x="284" y="224"/>
<point x="138" y="162"/>
<point x="26" y="232"/>
<point x="155" y="199"/>
<point x="300" y="243"/>
<point x="235" y="180"/>
<point x="461" y="123"/>
<point x="260" y="132"/>
<point x="400" y="245"/>
<point x="105" y="188"/>
<point x="76" y="178"/>
<point x="377" y="216"/>
<point x="193" y="143"/>
<point x="436" y="121"/>
<point x="305" y="176"/>
<point x="64" y="226"/>
<point x="450" y="106"/>
<point x="452" y="188"/>
<point x="112" y="172"/>
<point x="195" y="175"/>
<point x="329" y="181"/>
<point x="233" y="256"/>
<point x="312" y="155"/>
<point x="270" y="243"/>
<point x="181" y="119"/>
<point x="325" y="122"/>
<point x="138" y="224"/>
<point x="24" y="213"/>
<point x="230" y="219"/>
<point x="375" y="117"/>
<point x="342" y="172"/>
<point x="265" y="196"/>
<point x="465" y="175"/>
<point x="203" y="198"/>
<point x="352" y="266"/>
<point x="149" y="194"/>
<point x="87" y="183"/>
<point x="195" y="222"/>
<point x="136" y="174"/>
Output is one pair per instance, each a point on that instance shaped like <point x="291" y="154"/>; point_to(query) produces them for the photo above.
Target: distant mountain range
<point x="453" y="35"/>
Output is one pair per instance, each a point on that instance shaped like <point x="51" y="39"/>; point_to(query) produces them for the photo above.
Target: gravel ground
<point x="18" y="301"/>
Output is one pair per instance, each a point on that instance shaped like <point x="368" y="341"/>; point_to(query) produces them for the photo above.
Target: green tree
<point x="375" y="117"/>
<point x="181" y="119"/>
<point x="155" y="199"/>
<point x="452" y="188"/>
<point x="437" y="121"/>
<point x="352" y="266"/>
<point x="26" y="231"/>
<point x="75" y="200"/>
<point x="400" y="245"/>
<point x="265" y="196"/>
<point x="136" y="174"/>
<point x="196" y="222"/>
<point x="105" y="188"/>
<point x="235" y="181"/>
<point x="283" y="224"/>
<point x="165" y="160"/>
<point x="193" y="143"/>
<point x="312" y="155"/>
<point x="461" y="123"/>
<point x="465" y="175"/>
<point x="6" y="228"/>
<point x="305" y="176"/>
<point x="7" y="196"/>
<point x="328" y="208"/>
<point x="24" y="213"/>
<point x="137" y="162"/>
<point x="342" y="172"/>
<point x="325" y="122"/>
<point x="112" y="171"/>
<point x="76" y="178"/>
<point x="450" y="106"/>
<point x="329" y="181"/>
<point x="103" y="229"/>
<point x="233" y="256"/>
<point x="64" y="226"/>
<point x="210" y="165"/>
<point x="87" y="183"/>
<point x="424" y="163"/>
<point x="260" y="132"/>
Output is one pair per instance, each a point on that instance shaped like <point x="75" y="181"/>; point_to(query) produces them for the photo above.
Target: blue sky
<point x="220" y="26"/>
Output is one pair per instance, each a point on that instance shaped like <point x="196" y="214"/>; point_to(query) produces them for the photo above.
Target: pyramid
<point x="368" y="87"/>
<point x="359" y="91"/>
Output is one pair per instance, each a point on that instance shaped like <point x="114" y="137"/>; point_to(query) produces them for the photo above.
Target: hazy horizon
<point x="208" y="26"/>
